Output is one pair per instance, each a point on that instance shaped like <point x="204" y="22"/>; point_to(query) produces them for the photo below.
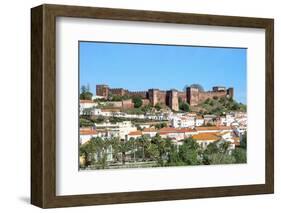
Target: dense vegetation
<point x="85" y="93"/>
<point x="219" y="106"/>
<point x="157" y="151"/>
<point x="183" y="106"/>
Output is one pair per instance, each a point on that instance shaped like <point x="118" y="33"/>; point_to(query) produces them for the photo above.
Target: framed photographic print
<point x="136" y="106"/>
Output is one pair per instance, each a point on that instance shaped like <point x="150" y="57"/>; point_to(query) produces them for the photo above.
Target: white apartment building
<point x="86" y="104"/>
<point x="87" y="134"/>
<point x="183" y="122"/>
<point x="119" y="129"/>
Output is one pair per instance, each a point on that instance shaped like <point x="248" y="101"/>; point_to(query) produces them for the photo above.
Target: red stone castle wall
<point x="210" y="94"/>
<point x="170" y="98"/>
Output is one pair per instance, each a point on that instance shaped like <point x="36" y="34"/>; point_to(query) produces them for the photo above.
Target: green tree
<point x="133" y="147"/>
<point x="158" y="106"/>
<point x="100" y="151"/>
<point x="114" y="142"/>
<point x="160" y="125"/>
<point x="189" y="152"/>
<point x="116" y="98"/>
<point x="163" y="146"/>
<point x="240" y="155"/>
<point x="221" y="158"/>
<point x="207" y="101"/>
<point x="173" y="157"/>
<point x="85" y="93"/>
<point x="184" y="106"/>
<point x="243" y="142"/>
<point x="137" y="101"/>
<point x="124" y="147"/>
<point x="147" y="108"/>
<point x="143" y="143"/>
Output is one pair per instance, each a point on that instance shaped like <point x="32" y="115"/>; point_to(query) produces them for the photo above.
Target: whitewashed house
<point x="86" y="134"/>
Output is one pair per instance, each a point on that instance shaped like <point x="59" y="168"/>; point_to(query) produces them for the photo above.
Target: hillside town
<point x="124" y="129"/>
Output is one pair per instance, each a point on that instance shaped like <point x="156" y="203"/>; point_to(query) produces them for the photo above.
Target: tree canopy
<point x="137" y="101"/>
<point x="85" y="93"/>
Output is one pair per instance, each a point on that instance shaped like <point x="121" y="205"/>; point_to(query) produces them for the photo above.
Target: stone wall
<point x="182" y="95"/>
<point x="170" y="98"/>
<point x="127" y="104"/>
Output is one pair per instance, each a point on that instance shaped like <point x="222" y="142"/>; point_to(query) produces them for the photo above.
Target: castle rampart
<point x="192" y="95"/>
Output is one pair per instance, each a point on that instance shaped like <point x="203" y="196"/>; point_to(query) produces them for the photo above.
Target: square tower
<point x="192" y="96"/>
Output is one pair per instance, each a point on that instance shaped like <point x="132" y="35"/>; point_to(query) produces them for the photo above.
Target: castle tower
<point x="230" y="92"/>
<point x="153" y="96"/>
<point x="102" y="90"/>
<point x="192" y="96"/>
<point x="173" y="100"/>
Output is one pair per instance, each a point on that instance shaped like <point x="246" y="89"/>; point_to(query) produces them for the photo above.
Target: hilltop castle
<point x="191" y="95"/>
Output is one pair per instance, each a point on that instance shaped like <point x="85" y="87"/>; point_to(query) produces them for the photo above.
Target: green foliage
<point x="147" y="108"/>
<point x="240" y="155"/>
<point x="137" y="101"/>
<point x="219" y="106"/>
<point x="85" y="122"/>
<point x="158" y="106"/>
<point x="189" y="151"/>
<point x="99" y="119"/>
<point x="118" y="97"/>
<point x="85" y="93"/>
<point x="220" y="158"/>
<point x="160" y="125"/>
<point x="184" y="106"/>
<point x="218" y="153"/>
<point x="115" y="98"/>
<point x="157" y="151"/>
<point x="243" y="142"/>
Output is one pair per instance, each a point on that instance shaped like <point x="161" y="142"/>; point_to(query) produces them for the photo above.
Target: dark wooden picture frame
<point x="43" y="105"/>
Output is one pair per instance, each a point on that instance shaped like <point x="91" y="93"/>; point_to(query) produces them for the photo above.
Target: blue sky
<point x="140" y="67"/>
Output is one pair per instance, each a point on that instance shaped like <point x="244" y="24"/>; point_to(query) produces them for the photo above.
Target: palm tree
<point x="124" y="147"/>
<point x="143" y="142"/>
<point x="99" y="147"/>
<point x="114" y="142"/>
<point x="132" y="143"/>
<point x="164" y="147"/>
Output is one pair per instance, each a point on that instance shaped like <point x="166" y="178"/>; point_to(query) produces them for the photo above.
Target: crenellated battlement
<point x="170" y="98"/>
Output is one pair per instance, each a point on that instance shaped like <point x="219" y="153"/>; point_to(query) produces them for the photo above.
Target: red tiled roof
<point x="88" y="131"/>
<point x="186" y="130"/>
<point x="206" y="136"/>
<point x="203" y="128"/>
<point x="176" y="130"/>
<point x="86" y="101"/>
<point x="135" y="133"/>
<point x="149" y="130"/>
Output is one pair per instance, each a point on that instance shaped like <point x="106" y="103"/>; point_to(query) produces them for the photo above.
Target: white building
<point x="87" y="134"/>
<point x="199" y="121"/>
<point x="204" y="139"/>
<point x="183" y="122"/>
<point x="227" y="120"/>
<point x="119" y="129"/>
<point x="151" y="132"/>
<point x="134" y="135"/>
<point x="86" y="104"/>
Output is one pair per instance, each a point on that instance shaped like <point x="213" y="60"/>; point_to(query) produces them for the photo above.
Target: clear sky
<point x="140" y="67"/>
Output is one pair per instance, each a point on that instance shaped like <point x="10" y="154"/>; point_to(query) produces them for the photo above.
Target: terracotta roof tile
<point x="135" y="133"/>
<point x="149" y="130"/>
<point x="206" y="136"/>
<point x="86" y="101"/>
<point x="204" y="128"/>
<point x="88" y="131"/>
